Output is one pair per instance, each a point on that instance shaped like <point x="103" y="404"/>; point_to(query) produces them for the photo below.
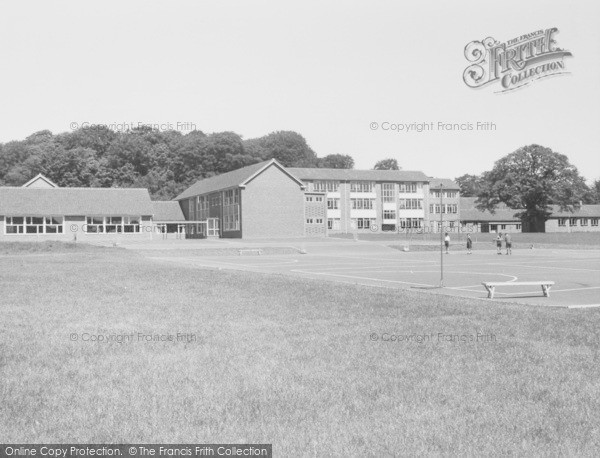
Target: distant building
<point x="582" y="219"/>
<point x="474" y="220"/>
<point x="260" y="200"/>
<point x="450" y="205"/>
<point x="269" y="200"/>
<point x="40" y="210"/>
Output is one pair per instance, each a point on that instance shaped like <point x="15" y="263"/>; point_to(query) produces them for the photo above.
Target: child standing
<point x="469" y="244"/>
<point x="508" y="242"/>
<point x="499" y="243"/>
<point x="447" y="242"/>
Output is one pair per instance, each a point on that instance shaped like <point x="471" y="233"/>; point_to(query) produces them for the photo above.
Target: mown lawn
<point x="285" y="361"/>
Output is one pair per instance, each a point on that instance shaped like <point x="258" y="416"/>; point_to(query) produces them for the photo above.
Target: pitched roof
<point x="468" y="212"/>
<point x="168" y="210"/>
<point x="434" y="183"/>
<point x="235" y="178"/>
<point x="40" y="181"/>
<point x="74" y="201"/>
<point x="357" y="175"/>
<point x="585" y="211"/>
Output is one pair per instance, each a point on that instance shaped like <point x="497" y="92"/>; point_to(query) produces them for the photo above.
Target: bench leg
<point x="490" y="290"/>
<point x="546" y="290"/>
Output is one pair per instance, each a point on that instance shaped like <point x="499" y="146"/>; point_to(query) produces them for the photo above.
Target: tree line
<point x="165" y="162"/>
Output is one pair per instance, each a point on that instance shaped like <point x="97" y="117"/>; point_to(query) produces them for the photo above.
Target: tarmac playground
<point x="576" y="273"/>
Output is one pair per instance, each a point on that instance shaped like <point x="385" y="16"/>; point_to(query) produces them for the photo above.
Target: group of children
<point x="507" y="242"/>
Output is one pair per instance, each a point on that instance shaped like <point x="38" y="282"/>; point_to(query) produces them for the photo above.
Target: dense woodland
<point x="167" y="162"/>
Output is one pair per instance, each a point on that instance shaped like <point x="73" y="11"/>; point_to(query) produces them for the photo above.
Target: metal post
<point x="441" y="235"/>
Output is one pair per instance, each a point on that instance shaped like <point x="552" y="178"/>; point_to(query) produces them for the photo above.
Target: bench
<point x="491" y="286"/>
<point x="250" y="250"/>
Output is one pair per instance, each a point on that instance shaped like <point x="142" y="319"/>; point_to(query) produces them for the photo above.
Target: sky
<point x="339" y="73"/>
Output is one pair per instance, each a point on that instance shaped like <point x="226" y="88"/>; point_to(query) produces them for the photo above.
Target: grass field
<point x="315" y="368"/>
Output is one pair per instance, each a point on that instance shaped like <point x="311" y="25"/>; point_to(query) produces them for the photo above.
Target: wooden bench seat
<point x="491" y="286"/>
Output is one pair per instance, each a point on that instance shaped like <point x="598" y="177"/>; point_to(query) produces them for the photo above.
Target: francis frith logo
<point x="514" y="63"/>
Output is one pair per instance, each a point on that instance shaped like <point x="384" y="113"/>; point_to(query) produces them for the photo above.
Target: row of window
<point x="34" y="225"/>
<point x="55" y="224"/>
<point x="445" y="208"/>
<point x="314" y="220"/>
<point x="388" y="189"/>
<point x="404" y="204"/>
<point x="314" y="198"/>
<point x="446" y="194"/>
<point x="362" y="204"/>
<point x="411" y="223"/>
<point x="412" y="204"/>
<point x="111" y="224"/>
<point x="573" y="221"/>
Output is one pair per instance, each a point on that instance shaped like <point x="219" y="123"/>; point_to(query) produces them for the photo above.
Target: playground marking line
<point x="361" y="278"/>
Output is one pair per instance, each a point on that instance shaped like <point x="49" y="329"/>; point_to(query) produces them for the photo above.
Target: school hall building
<point x="268" y="200"/>
<point x="40" y="210"/>
<point x="583" y="218"/>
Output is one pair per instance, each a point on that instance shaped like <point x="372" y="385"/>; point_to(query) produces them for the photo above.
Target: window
<point x="202" y="206"/>
<point x="326" y="186"/>
<point x="333" y="224"/>
<point x="518" y="226"/>
<point x="361" y="186"/>
<point x="450" y="194"/>
<point x="34" y="225"/>
<point x="562" y="221"/>
<point x="411" y="223"/>
<point x="435" y="194"/>
<point x="408" y="187"/>
<point x="431" y="208"/>
<point x="572" y="221"/>
<point x="231" y="196"/>
<point x="309" y="198"/>
<point x="231" y="210"/>
<point x="362" y="204"/>
<point x="319" y="199"/>
<point x="414" y="204"/>
<point x="310" y="221"/>
<point x="503" y="226"/>
<point x="112" y="224"/>
<point x="452" y="208"/>
<point x="319" y="221"/>
<point x="594" y="221"/>
<point x="584" y="221"/>
<point x="363" y="223"/>
<point x="389" y="214"/>
<point x="333" y="204"/>
<point x="387" y="192"/>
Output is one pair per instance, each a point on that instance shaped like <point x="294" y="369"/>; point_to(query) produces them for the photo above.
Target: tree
<point x="289" y="148"/>
<point x="530" y="180"/>
<point x="593" y="194"/>
<point x="470" y="185"/>
<point x="387" y="164"/>
<point x="336" y="161"/>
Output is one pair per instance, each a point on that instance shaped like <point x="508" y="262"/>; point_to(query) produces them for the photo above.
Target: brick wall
<point x="272" y="206"/>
